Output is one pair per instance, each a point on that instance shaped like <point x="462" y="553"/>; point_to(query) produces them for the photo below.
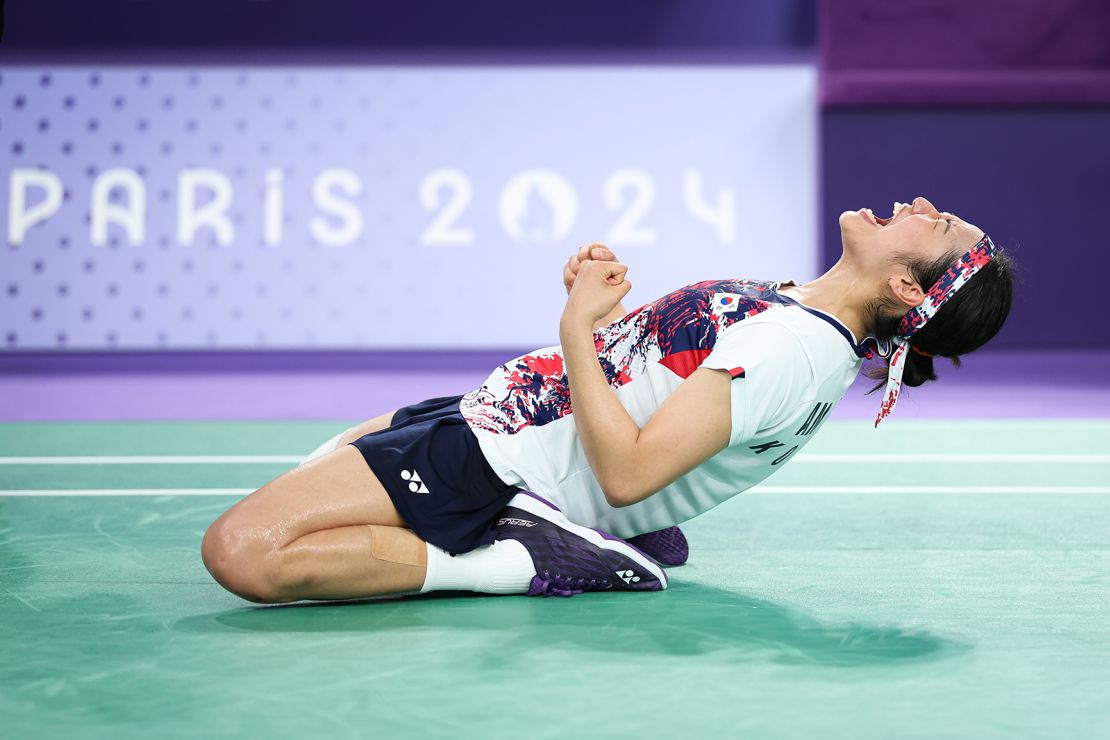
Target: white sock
<point x="505" y="567"/>
<point x="324" y="449"/>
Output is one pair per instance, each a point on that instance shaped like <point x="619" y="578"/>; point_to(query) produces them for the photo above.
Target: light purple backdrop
<point x="446" y="199"/>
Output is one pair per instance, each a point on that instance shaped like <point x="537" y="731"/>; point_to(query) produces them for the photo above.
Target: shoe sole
<point x="541" y="508"/>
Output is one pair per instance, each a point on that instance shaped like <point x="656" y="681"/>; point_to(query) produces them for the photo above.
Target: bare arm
<point x="618" y="312"/>
<point x="631" y="463"/>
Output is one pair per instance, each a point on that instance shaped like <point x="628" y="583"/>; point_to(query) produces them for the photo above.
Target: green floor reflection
<point x="829" y="616"/>
<point x="689" y="620"/>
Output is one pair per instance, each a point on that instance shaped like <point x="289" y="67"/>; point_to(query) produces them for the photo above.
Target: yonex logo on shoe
<point x="627" y="576"/>
<point x="415" y="484"/>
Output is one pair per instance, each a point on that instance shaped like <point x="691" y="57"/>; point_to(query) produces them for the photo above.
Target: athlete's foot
<point x="570" y="559"/>
<point x="668" y="546"/>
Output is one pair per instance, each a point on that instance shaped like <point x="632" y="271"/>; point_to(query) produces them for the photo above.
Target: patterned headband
<point x="952" y="280"/>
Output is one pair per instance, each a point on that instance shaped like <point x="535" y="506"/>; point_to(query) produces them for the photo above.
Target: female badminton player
<point x="636" y="422"/>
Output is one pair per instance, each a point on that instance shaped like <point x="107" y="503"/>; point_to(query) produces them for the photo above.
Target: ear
<point x="906" y="290"/>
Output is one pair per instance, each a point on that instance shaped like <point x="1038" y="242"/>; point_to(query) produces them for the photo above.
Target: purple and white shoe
<point x="571" y="559"/>
<point x="668" y="546"/>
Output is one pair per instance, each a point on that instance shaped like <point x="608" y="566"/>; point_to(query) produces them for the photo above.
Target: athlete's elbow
<point x="619" y="495"/>
<point x="617" y="500"/>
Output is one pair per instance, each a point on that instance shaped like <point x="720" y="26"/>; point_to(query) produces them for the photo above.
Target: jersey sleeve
<point x="770" y="371"/>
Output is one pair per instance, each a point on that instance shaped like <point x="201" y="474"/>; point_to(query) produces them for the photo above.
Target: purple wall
<point x="996" y="110"/>
<point x="341" y="26"/>
<point x="975" y="52"/>
<point x="1036" y="179"/>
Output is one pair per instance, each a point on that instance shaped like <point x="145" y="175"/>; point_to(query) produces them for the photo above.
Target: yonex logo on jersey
<point x="415" y="484"/>
<point x="628" y="577"/>
<point x="514" y="522"/>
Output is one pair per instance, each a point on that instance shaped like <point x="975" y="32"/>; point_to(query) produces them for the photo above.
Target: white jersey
<point x="790" y="365"/>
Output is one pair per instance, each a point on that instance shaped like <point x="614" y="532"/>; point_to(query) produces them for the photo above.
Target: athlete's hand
<point x="598" y="287"/>
<point x="595" y="251"/>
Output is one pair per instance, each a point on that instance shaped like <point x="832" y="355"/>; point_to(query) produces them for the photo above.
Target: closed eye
<point x="947" y="225"/>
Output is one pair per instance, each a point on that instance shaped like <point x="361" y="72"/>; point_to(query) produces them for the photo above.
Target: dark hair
<point x="965" y="323"/>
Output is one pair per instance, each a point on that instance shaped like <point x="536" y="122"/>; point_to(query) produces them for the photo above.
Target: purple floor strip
<point x="1001" y="385"/>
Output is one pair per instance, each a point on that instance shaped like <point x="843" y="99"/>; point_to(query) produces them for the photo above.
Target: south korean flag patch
<point x="726" y="302"/>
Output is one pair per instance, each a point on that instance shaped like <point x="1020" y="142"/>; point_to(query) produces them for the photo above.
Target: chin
<point x="851" y="221"/>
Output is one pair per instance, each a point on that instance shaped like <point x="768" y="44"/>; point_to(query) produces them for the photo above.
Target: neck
<point x="842" y="292"/>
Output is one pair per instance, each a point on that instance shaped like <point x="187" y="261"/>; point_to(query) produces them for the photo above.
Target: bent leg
<point x="253" y="549"/>
<point x="337" y="490"/>
<point x="348" y="562"/>
<point x="352" y="562"/>
<point x="329" y="530"/>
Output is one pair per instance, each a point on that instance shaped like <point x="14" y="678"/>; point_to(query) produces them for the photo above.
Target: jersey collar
<point x="860" y="348"/>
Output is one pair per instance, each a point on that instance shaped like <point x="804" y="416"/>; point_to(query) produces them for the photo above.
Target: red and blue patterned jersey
<point x="679" y="331"/>
<point x="790" y="355"/>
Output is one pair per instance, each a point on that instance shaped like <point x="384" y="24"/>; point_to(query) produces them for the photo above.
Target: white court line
<point x="1043" y="458"/>
<point x="811" y="458"/>
<point x="128" y="492"/>
<point x="154" y="460"/>
<point x="926" y="490"/>
<point x="776" y="490"/>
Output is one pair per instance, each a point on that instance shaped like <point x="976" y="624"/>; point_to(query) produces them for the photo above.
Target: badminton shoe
<point x="667" y="546"/>
<point x="571" y="559"/>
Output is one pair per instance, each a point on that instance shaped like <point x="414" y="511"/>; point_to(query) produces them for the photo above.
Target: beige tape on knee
<point x="397" y="545"/>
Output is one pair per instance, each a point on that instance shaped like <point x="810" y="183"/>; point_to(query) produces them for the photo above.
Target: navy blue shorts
<point x="429" y="462"/>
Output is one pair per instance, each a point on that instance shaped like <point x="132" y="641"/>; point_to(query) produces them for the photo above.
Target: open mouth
<point x="878" y="220"/>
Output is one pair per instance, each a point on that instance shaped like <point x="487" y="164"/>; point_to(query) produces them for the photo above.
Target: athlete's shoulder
<point x="806" y="347"/>
<point x="767" y="341"/>
<point x="820" y="335"/>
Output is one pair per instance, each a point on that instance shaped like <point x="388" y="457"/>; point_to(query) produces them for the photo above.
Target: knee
<point x="239" y="562"/>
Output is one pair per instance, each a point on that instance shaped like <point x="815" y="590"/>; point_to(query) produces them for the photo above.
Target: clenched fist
<point x="595" y="251"/>
<point x="598" y="288"/>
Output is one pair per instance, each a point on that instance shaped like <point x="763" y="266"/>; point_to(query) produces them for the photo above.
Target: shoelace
<point x="559" y="585"/>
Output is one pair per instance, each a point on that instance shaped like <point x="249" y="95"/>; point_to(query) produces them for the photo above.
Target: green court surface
<point x="927" y="580"/>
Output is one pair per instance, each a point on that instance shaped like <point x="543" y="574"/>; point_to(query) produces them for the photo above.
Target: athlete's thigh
<point x="336" y="490"/>
<point x="376" y="424"/>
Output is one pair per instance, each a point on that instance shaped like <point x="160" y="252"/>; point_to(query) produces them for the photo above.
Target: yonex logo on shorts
<point x="415" y="484"/>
